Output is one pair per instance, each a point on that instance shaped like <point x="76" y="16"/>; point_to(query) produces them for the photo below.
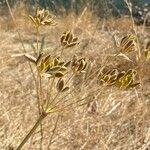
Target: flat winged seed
<point x="63" y="69"/>
<point x="130" y="71"/>
<point x="65" y="43"/>
<point x="106" y="78"/>
<point x="114" y="72"/>
<point x="81" y="65"/>
<point x="129" y="46"/>
<point x="85" y="65"/>
<point x="61" y="63"/>
<point x="65" y="89"/>
<point x="113" y="78"/>
<point x="75" y="39"/>
<point x="54" y="69"/>
<point x="47" y="57"/>
<point x="132" y="37"/>
<point x="59" y="74"/>
<point x="70" y="38"/>
<point x="123" y="40"/>
<point x="56" y="62"/>
<point x="134" y="85"/>
<point x="62" y="39"/>
<point x="60" y="85"/>
<point x="67" y="36"/>
<point x="41" y="68"/>
<point x="67" y="64"/>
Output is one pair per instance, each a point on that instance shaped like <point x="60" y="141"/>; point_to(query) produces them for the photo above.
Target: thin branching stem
<point x="40" y="91"/>
<point x="53" y="132"/>
<point x="58" y="93"/>
<point x="40" y="119"/>
<point x="24" y="50"/>
<point x="61" y="102"/>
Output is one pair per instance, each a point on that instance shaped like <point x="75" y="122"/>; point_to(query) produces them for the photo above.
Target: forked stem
<point x="40" y="119"/>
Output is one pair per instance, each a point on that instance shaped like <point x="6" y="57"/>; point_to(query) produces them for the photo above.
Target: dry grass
<point x="113" y="120"/>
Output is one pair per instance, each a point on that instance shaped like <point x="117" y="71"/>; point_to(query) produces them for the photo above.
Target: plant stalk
<point x="40" y="119"/>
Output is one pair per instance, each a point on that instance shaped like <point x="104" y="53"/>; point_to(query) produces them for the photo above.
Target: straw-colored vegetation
<point x="73" y="83"/>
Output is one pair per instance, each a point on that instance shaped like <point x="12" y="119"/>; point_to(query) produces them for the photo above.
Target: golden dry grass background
<point x="114" y="120"/>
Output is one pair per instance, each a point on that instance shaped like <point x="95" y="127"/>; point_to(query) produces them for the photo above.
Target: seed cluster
<point x="123" y="79"/>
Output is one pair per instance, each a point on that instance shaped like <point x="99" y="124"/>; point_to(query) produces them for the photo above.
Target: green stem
<point x="40" y="119"/>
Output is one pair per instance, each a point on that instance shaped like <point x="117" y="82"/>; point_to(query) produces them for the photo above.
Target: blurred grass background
<point x="102" y="8"/>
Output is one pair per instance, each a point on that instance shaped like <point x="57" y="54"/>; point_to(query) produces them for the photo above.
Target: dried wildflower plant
<point x="59" y="73"/>
<point x="68" y="40"/>
<point x="56" y="71"/>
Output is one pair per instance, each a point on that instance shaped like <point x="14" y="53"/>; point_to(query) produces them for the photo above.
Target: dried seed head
<point x="68" y="40"/>
<point x="42" y="17"/>
<point x="126" y="80"/>
<point x="128" y="44"/>
<point x="52" y="66"/>
<point x="108" y="77"/>
<point x="78" y="65"/>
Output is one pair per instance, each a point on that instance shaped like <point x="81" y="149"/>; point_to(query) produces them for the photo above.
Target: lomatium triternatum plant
<point x="59" y="73"/>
